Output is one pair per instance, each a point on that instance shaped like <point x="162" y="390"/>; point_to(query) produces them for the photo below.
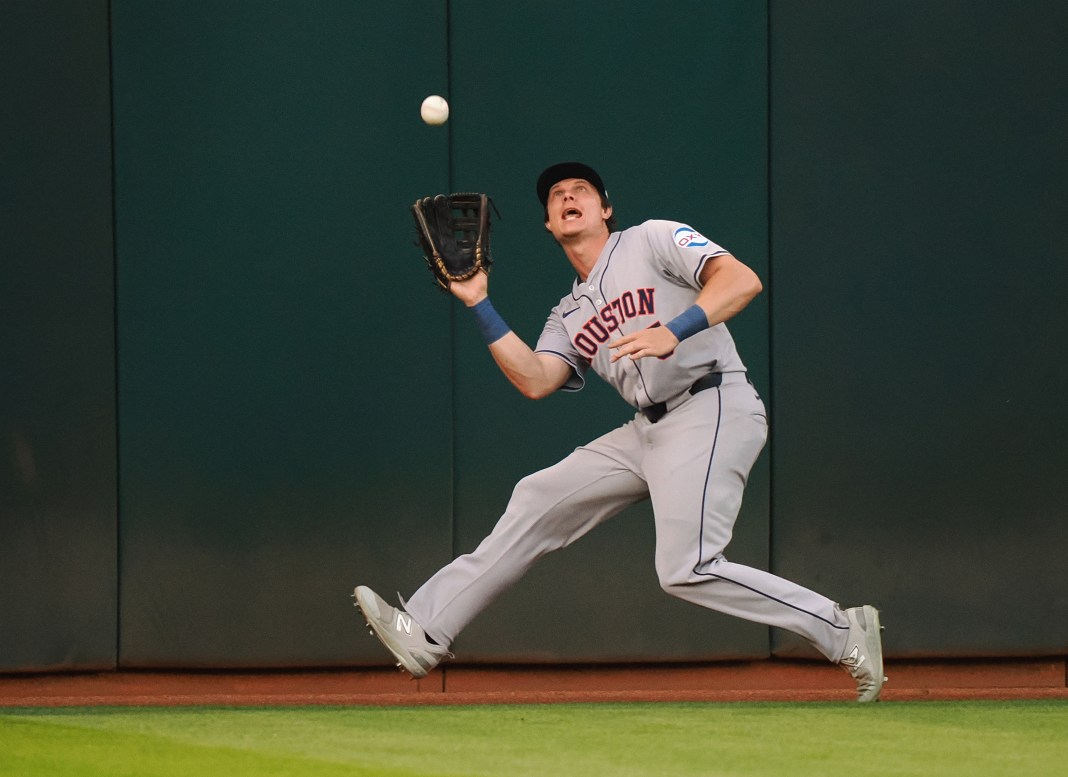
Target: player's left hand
<point x="655" y="341"/>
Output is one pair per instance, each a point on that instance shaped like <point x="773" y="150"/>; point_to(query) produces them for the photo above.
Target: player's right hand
<point x="654" y="341"/>
<point x="473" y="290"/>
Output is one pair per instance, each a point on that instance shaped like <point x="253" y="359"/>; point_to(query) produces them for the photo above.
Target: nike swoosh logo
<point x="568" y="313"/>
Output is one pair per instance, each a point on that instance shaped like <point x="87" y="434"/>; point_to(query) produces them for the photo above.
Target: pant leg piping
<point x="772" y="598"/>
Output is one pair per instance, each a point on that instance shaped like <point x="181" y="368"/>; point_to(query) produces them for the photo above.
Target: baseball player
<point x="646" y="313"/>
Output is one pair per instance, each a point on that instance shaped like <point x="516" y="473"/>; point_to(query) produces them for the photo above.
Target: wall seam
<point x="771" y="390"/>
<point x="115" y="335"/>
<point x="453" y="372"/>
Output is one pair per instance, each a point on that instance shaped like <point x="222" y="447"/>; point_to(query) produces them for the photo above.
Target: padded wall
<point x="57" y="335"/>
<point x="671" y="108"/>
<point x="291" y="422"/>
<point x="919" y="203"/>
<point x="284" y="393"/>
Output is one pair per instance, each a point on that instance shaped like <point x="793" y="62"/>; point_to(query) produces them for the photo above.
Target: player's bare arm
<point x="535" y="375"/>
<point x="727" y="286"/>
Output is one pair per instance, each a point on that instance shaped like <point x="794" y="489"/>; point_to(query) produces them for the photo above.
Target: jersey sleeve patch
<point x="680" y="251"/>
<point x="688" y="237"/>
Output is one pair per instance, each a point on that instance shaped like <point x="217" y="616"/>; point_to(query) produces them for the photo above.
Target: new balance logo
<point x="404" y="623"/>
<point x="855" y="658"/>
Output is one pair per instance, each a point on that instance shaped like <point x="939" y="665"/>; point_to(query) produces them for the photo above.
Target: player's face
<point x="574" y="209"/>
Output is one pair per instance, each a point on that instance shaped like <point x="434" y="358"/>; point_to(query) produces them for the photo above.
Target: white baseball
<point x="434" y="110"/>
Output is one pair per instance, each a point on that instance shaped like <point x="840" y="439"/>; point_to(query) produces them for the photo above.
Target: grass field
<point x="932" y="739"/>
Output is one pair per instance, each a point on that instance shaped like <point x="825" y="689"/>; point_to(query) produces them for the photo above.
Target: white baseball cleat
<point x="399" y="632"/>
<point x="863" y="657"/>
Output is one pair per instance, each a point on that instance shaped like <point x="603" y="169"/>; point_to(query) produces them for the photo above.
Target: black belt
<point x="655" y="412"/>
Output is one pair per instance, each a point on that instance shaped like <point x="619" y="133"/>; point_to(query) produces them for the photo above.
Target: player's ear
<point x="606" y="212"/>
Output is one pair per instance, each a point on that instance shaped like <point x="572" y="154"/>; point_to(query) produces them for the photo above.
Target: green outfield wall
<point x="920" y="317"/>
<point x="58" y="468"/>
<point x="232" y="391"/>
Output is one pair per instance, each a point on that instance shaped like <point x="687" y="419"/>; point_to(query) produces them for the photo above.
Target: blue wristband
<point x="489" y="322"/>
<point x="688" y="323"/>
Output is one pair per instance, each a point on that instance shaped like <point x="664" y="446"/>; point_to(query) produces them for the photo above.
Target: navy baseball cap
<point x="560" y="172"/>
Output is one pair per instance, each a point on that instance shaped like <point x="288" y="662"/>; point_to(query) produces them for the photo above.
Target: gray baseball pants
<point x="693" y="464"/>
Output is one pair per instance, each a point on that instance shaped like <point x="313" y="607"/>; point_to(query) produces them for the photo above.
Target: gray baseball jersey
<point x="692" y="462"/>
<point x="645" y="276"/>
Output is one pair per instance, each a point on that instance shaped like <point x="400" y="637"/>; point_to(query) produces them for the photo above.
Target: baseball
<point x="434" y="110"/>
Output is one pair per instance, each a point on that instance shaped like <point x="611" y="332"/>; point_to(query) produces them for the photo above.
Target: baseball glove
<point x="454" y="233"/>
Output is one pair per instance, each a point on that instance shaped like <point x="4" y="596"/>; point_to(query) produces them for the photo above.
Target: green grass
<point x="932" y="739"/>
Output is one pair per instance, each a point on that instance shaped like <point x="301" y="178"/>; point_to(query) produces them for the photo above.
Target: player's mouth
<point x="570" y="214"/>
